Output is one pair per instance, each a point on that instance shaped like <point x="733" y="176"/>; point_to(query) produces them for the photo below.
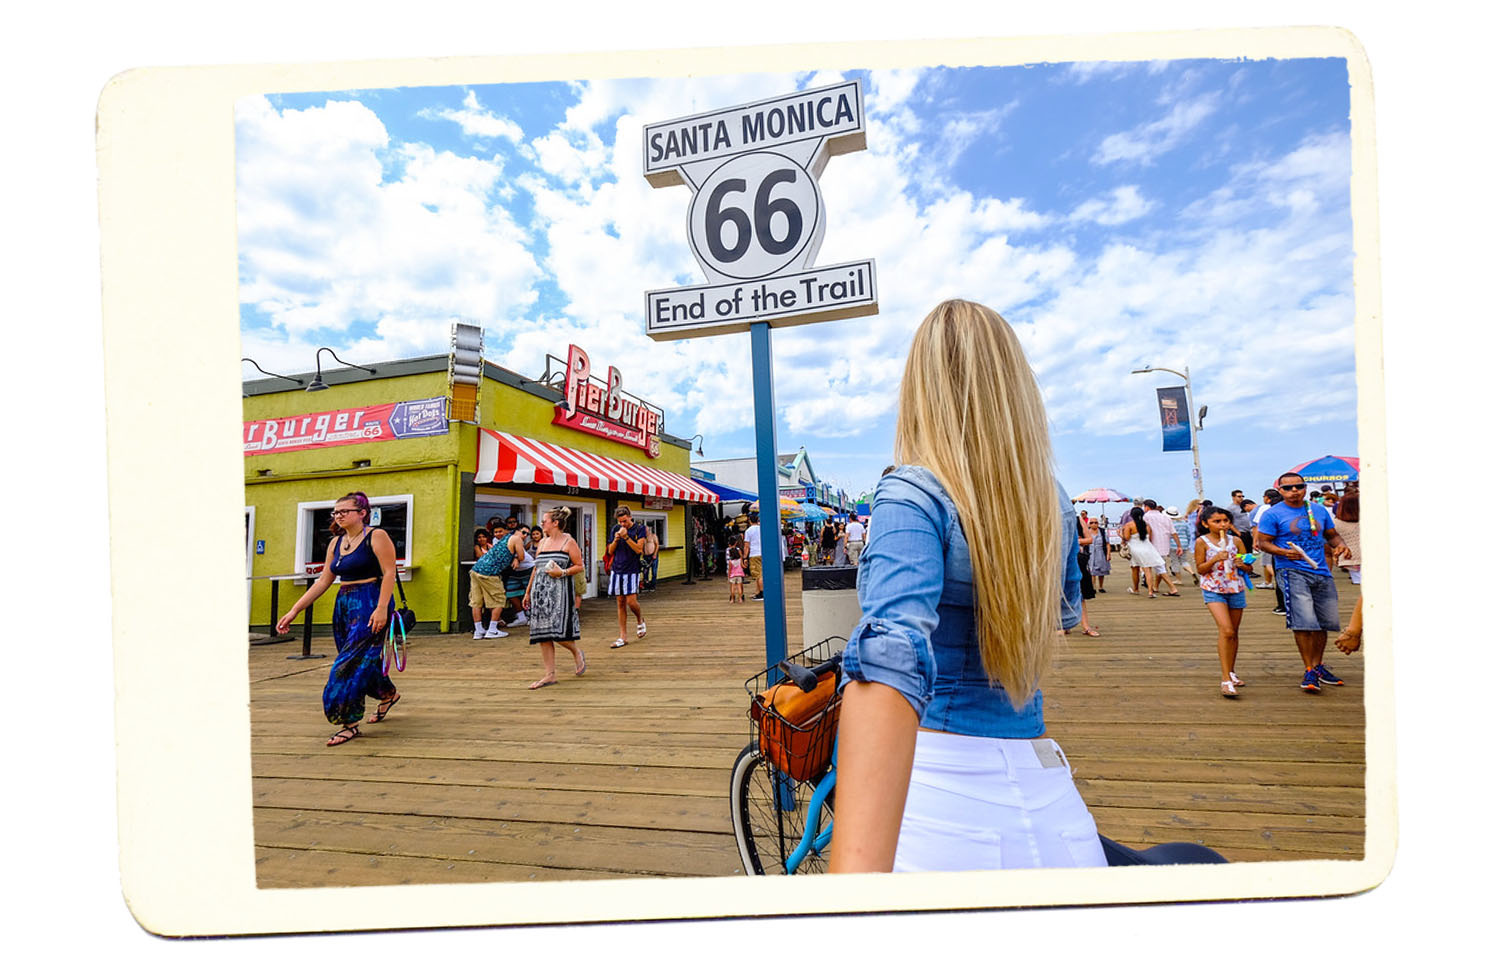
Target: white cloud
<point x="326" y="243"/>
<point x="1145" y="142"/>
<point x="476" y="121"/>
<point x="1121" y="206"/>
<point x="1081" y="72"/>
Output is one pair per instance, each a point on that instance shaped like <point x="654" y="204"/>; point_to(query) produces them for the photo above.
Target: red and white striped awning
<point x="526" y="461"/>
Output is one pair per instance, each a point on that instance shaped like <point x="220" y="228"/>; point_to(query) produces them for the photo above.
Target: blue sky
<point x="1169" y="213"/>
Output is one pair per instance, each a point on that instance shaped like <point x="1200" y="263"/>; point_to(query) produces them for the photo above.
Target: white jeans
<point x="993" y="803"/>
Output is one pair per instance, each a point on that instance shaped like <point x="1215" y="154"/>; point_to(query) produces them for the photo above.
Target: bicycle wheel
<point x="770" y="816"/>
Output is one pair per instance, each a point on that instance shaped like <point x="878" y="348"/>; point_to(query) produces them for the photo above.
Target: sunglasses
<point x="1293" y="488"/>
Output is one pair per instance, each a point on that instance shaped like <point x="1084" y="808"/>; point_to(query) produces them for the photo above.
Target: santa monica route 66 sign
<point x="756" y="219"/>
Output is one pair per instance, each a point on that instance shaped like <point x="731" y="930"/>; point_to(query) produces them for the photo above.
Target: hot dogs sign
<point x="757" y="217"/>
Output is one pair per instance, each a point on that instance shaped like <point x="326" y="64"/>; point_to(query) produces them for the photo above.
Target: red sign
<point x="604" y="410"/>
<point x="347" y="426"/>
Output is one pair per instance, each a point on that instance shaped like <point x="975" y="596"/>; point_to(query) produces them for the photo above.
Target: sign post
<point x="755" y="224"/>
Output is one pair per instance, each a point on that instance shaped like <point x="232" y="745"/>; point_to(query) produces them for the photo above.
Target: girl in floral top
<point x="1219" y="557"/>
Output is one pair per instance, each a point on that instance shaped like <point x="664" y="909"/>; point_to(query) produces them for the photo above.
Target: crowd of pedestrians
<point x="1289" y="543"/>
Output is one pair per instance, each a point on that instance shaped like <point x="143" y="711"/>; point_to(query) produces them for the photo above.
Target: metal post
<point x="275" y="638"/>
<point x="1193" y="431"/>
<point x="1187" y="382"/>
<point x="307" y="654"/>
<point x="774" y="603"/>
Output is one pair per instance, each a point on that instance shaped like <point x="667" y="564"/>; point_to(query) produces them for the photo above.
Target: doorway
<point x="249" y="558"/>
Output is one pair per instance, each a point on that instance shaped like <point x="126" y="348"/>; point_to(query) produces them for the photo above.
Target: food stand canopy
<point x="1329" y="468"/>
<point x="526" y="461"/>
<point x="726" y="493"/>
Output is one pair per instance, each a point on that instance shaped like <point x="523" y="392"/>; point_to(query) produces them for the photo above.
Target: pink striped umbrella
<point x="1101" y="494"/>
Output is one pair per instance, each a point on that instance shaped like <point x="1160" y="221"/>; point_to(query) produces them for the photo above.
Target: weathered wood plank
<point x="613" y="850"/>
<point x="593" y="808"/>
<point x="625" y="771"/>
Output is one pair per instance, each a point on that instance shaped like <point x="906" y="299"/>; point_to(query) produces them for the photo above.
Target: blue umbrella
<point x="1329" y="468"/>
<point x="813" y="512"/>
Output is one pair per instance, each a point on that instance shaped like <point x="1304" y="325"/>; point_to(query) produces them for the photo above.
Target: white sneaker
<point x="479" y="633"/>
<point x="520" y="620"/>
<point x="1263" y="586"/>
<point x="496" y="632"/>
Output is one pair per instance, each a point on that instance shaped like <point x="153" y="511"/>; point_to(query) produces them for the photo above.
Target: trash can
<point x="830" y="605"/>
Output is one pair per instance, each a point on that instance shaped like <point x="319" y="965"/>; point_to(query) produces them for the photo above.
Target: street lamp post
<point x="1195" y="423"/>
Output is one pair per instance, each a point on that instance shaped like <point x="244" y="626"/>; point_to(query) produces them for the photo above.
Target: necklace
<point x="346" y="547"/>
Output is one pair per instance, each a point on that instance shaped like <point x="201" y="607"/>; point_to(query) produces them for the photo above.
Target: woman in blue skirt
<point x="364" y="561"/>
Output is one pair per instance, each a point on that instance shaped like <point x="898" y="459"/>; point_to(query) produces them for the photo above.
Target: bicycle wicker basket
<point x="795" y="730"/>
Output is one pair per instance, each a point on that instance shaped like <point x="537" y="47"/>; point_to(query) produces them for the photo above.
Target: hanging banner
<point x="348" y="426"/>
<point x="1176" y="434"/>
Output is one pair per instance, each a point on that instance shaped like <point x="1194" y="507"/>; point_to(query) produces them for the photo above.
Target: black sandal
<point x="346" y="734"/>
<point x="383" y="709"/>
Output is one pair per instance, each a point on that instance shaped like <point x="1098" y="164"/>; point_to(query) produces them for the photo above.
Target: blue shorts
<point x="1233" y="600"/>
<point x="1312" y="601"/>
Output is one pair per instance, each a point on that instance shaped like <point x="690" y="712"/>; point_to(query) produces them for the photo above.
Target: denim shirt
<point x="916" y="627"/>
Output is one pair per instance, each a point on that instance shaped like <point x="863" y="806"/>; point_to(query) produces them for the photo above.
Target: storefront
<point x="567" y="440"/>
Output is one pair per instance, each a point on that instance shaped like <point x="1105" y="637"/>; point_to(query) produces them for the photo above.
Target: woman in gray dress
<point x="549" y="598"/>
<point x="1099" y="555"/>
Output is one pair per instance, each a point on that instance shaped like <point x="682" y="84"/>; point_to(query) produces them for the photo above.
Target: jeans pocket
<point x="1083" y="846"/>
<point x="927" y="845"/>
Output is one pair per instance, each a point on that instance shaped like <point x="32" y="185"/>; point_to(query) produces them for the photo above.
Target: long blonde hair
<point x="971" y="412"/>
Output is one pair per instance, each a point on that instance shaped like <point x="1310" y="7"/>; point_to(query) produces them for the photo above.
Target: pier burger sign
<point x="602" y="409"/>
<point x="756" y="219"/>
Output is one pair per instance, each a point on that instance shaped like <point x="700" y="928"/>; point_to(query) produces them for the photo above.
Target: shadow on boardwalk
<point x="625" y="771"/>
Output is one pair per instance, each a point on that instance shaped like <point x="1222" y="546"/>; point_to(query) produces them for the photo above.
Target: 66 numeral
<point x="765" y="207"/>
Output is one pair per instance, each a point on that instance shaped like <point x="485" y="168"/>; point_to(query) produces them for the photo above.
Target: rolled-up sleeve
<point x="900" y="582"/>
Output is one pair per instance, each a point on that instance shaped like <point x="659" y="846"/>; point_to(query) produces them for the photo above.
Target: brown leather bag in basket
<point x="797" y="728"/>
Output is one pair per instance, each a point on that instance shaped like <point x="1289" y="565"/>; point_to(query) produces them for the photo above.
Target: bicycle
<point x="782" y="783"/>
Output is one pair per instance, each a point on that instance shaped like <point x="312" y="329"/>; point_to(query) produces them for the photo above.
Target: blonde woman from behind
<point x="944" y="761"/>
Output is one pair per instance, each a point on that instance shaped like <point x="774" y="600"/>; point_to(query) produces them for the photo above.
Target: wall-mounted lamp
<point x="361" y="463"/>
<point x="317" y="381"/>
<point x="699" y="450"/>
<point x="270" y="374"/>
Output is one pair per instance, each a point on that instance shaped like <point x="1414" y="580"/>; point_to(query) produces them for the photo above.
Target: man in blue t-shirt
<point x="625" y="546"/>
<point x="1296" y="532"/>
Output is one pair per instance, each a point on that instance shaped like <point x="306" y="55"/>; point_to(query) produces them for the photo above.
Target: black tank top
<point x="359" y="563"/>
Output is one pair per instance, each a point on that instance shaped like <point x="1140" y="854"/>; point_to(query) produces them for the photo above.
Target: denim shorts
<point x="1312" y="601"/>
<point x="1234" y="600"/>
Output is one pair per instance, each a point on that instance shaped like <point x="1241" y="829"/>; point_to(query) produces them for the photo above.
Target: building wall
<point x="432" y="526"/>
<point x="434" y="450"/>
<point x="437" y="471"/>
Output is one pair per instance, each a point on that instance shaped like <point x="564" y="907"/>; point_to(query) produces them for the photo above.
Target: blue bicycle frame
<point x="816" y="842"/>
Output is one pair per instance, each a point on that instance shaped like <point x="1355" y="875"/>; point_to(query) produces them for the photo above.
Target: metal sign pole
<point x="764" y="385"/>
<point x="755" y="224"/>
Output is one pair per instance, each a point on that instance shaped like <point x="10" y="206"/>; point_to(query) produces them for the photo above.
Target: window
<point x="315" y="528"/>
<point x="656" y="522"/>
<point x="489" y="507"/>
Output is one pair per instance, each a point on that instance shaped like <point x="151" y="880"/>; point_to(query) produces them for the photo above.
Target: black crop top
<point x="359" y="563"/>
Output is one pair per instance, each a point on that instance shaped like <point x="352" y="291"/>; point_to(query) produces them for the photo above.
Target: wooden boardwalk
<point x="625" y="771"/>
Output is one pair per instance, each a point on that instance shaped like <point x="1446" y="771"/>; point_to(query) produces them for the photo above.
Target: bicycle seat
<point x="1118" y="854"/>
